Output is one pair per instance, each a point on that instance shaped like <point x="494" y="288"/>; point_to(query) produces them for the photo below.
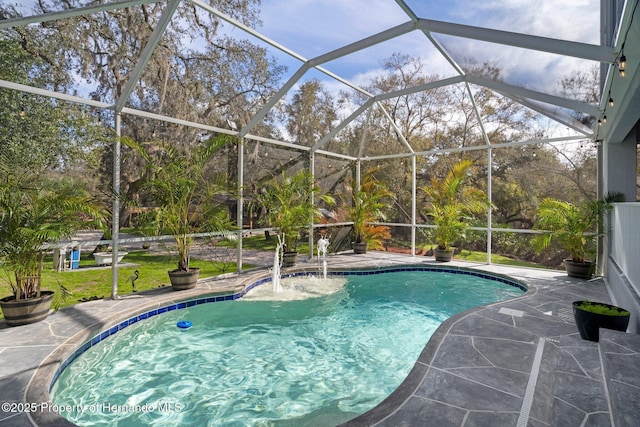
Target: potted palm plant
<point x="186" y="194"/>
<point x="575" y="228"/>
<point x="35" y="212"/>
<point x="367" y="206"/>
<point x="451" y="204"/>
<point x="289" y="206"/>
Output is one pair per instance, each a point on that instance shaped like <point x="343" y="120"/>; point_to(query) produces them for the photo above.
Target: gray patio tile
<point x="423" y="412"/>
<point x="586" y="358"/>
<point x="581" y="392"/>
<point x="568" y="363"/>
<point x="28" y="335"/>
<point x="12" y="387"/>
<point x="532" y="307"/>
<point x="625" y="401"/>
<point x="496" y="316"/>
<point x="574" y="340"/>
<point x="566" y="415"/>
<point x="17" y="360"/>
<point x="506" y="354"/>
<point x="459" y="351"/>
<point x="620" y="342"/>
<point x="599" y="419"/>
<point x="612" y="347"/>
<point x="543" y="302"/>
<point x="554" y="311"/>
<point x="534" y="422"/>
<point x="445" y="387"/>
<point x="471" y="326"/>
<point x="577" y="293"/>
<point x="68" y="326"/>
<point x="484" y="419"/>
<point x="505" y="380"/>
<point x="15" y="420"/>
<point x="545" y="327"/>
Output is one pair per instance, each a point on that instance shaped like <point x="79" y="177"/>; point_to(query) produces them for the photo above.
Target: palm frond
<point x="451" y="204"/>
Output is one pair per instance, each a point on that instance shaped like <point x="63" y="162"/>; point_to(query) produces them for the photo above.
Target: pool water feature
<point x="297" y="288"/>
<point x="317" y="361"/>
<point x="275" y="272"/>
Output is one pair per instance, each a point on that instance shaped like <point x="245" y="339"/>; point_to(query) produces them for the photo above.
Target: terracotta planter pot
<point x="359" y="247"/>
<point x="579" y="270"/>
<point x="589" y="323"/>
<point x="182" y="280"/>
<point x="27" y="311"/>
<point x="443" y="255"/>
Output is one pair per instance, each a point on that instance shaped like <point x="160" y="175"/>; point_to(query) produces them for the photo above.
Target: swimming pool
<point x="319" y="361"/>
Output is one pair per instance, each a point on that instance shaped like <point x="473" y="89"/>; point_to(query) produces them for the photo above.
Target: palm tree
<point x="451" y="203"/>
<point x="367" y="206"/>
<point x="185" y="193"/>
<point x="574" y="227"/>
<point x="35" y="211"/>
<point x="289" y="204"/>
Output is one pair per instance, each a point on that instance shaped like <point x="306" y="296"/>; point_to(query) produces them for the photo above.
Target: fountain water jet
<point x="275" y="272"/>
<point x="323" y="243"/>
<point x="297" y="287"/>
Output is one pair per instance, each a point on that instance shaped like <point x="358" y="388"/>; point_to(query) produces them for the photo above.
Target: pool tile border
<point x="101" y="336"/>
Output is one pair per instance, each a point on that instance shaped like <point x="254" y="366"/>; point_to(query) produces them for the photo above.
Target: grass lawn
<point x="472" y="256"/>
<point x="260" y="243"/>
<point x="85" y="283"/>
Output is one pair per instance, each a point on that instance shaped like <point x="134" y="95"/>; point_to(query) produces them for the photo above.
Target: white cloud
<point x="576" y="20"/>
<point x="312" y="28"/>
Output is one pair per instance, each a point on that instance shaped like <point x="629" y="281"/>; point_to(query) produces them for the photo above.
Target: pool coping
<point x="37" y="389"/>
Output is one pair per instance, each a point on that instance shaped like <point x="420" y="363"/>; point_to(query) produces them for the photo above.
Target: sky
<point x="315" y="27"/>
<point x="312" y="28"/>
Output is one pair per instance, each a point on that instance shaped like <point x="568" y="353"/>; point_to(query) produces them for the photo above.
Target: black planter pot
<point x="26" y="311"/>
<point x="183" y="280"/>
<point x="589" y="323"/>
<point x="443" y="255"/>
<point x="579" y="270"/>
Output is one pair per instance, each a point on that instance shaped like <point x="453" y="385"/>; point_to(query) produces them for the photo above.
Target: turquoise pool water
<point x="318" y="362"/>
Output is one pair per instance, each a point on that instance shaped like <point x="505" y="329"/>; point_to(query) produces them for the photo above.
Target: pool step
<point x="620" y="355"/>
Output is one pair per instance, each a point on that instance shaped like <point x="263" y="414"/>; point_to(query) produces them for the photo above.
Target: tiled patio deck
<point x="516" y="363"/>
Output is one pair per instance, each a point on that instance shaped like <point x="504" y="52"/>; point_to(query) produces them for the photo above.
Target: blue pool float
<point x="184" y="324"/>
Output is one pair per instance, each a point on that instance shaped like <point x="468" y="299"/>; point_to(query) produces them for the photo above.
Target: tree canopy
<point x="201" y="74"/>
